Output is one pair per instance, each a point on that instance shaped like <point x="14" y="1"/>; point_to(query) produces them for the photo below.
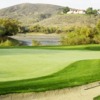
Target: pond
<point x="44" y="39"/>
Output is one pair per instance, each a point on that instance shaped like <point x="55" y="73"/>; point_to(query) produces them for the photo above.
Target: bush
<point x="66" y="9"/>
<point x="35" y="43"/>
<point x="91" y="11"/>
<point x="38" y="28"/>
<point x="35" y="28"/>
<point x="9" y="42"/>
<point x="9" y="26"/>
<point x="98" y="26"/>
<point x="2" y="31"/>
<point x="96" y="39"/>
<point x="81" y="35"/>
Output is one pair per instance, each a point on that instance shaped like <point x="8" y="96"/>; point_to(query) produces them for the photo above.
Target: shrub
<point x="35" y="28"/>
<point x="66" y="9"/>
<point x="98" y="26"/>
<point x="96" y="39"/>
<point x="81" y="35"/>
<point x="36" y="43"/>
<point x="9" y="26"/>
<point x="7" y="43"/>
<point x="91" y="11"/>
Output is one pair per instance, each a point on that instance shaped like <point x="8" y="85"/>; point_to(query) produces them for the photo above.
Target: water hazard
<point x="44" y="39"/>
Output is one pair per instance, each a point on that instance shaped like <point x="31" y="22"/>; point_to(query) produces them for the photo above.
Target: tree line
<point x="74" y="35"/>
<point x="88" y="11"/>
<point x="10" y="27"/>
<point x="82" y="35"/>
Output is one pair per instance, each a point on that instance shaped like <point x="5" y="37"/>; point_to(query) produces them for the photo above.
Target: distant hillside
<point x="46" y="15"/>
<point x="70" y="20"/>
<point x="30" y="13"/>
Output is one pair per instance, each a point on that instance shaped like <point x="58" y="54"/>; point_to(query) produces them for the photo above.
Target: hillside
<point x="70" y="20"/>
<point x="46" y="15"/>
<point x="30" y="13"/>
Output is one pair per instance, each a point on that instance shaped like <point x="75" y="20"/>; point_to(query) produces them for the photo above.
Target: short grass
<point x="94" y="47"/>
<point x="78" y="73"/>
<point x="97" y="98"/>
<point x="47" y="68"/>
<point x="17" y="64"/>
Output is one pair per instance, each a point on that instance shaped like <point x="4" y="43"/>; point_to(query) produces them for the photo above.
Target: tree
<point x="9" y="26"/>
<point x="66" y="9"/>
<point x="35" y="28"/>
<point x="2" y="31"/>
<point x="95" y="12"/>
<point x="98" y="26"/>
<point x="91" y="11"/>
<point x="24" y="29"/>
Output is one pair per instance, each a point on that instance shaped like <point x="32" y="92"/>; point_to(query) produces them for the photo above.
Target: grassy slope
<point x="70" y="20"/>
<point x="78" y="73"/>
<point x="85" y="71"/>
<point x="95" y="47"/>
<point x="32" y="63"/>
<point x="29" y="13"/>
<point x="97" y="98"/>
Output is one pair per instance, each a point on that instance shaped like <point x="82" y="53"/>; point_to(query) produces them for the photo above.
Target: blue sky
<point x="82" y="4"/>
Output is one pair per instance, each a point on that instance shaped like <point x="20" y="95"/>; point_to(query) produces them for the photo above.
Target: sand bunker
<point x="86" y="92"/>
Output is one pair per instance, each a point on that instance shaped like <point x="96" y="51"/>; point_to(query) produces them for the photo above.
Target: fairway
<point x="19" y="64"/>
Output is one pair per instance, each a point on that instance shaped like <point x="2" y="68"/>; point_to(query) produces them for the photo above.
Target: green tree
<point x="95" y="12"/>
<point x="35" y="28"/>
<point x="2" y="31"/>
<point x="91" y="11"/>
<point x="9" y="26"/>
<point x="98" y="26"/>
<point x="66" y="9"/>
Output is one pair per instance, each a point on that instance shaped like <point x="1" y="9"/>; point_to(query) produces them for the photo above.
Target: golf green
<point x="19" y="64"/>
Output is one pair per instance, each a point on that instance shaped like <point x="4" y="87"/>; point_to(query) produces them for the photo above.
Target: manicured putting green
<point x="19" y="64"/>
<point x="78" y="73"/>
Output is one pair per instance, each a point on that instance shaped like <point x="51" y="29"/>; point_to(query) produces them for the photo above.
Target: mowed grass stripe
<point x="78" y="73"/>
<point x="95" y="47"/>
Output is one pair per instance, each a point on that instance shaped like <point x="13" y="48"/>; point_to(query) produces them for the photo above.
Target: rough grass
<point x="70" y="20"/>
<point x="97" y="98"/>
<point x="93" y="47"/>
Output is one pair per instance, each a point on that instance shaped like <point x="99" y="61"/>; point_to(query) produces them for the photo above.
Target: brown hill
<point x="30" y="13"/>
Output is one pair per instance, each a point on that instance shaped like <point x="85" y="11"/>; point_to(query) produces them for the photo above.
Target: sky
<point x="81" y="4"/>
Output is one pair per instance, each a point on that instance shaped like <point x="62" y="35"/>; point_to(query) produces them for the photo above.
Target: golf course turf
<point x="97" y="98"/>
<point x="43" y="69"/>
